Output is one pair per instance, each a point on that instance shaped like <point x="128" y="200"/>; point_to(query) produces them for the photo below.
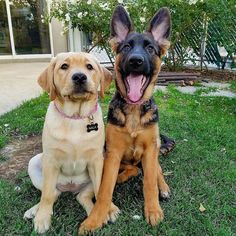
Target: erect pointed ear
<point x="105" y="81"/>
<point x="46" y="80"/>
<point x="120" y="25"/>
<point x="160" y="27"/>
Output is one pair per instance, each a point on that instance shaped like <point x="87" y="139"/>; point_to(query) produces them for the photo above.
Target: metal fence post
<point x="203" y="40"/>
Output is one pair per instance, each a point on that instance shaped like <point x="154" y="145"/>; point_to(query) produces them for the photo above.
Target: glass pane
<point x="31" y="36"/>
<point x="5" y="45"/>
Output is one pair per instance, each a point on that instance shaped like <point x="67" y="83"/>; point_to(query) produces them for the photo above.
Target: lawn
<point x="201" y="169"/>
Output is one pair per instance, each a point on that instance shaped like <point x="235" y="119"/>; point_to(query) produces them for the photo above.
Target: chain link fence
<point x="207" y="43"/>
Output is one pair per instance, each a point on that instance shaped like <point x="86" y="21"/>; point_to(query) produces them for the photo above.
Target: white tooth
<point x="143" y="80"/>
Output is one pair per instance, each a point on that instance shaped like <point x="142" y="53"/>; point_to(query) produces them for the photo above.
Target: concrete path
<point x="221" y="89"/>
<point x="18" y="83"/>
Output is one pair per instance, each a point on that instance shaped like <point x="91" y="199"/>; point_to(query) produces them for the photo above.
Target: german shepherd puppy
<point x="132" y="133"/>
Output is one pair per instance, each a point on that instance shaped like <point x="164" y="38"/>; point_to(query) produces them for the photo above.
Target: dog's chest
<point x="133" y="122"/>
<point x="71" y="137"/>
<point x="74" y="167"/>
<point x="134" y="118"/>
<point x="75" y="132"/>
<point x="133" y="154"/>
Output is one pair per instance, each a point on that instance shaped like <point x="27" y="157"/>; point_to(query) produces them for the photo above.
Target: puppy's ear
<point x="45" y="80"/>
<point x="160" y="27"/>
<point x="120" y="26"/>
<point x="105" y="81"/>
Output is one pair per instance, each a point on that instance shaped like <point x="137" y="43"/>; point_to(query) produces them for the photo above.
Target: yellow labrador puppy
<point x="73" y="136"/>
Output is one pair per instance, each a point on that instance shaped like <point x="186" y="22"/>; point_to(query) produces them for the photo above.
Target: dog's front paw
<point x="89" y="226"/>
<point x="154" y="216"/>
<point x="30" y="214"/>
<point x="42" y="222"/>
<point x="164" y="191"/>
<point x="113" y="212"/>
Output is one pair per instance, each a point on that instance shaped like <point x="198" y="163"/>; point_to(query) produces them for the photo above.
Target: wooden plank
<point x="177" y="74"/>
<point x="179" y="83"/>
<point x="161" y="80"/>
<point x="170" y="78"/>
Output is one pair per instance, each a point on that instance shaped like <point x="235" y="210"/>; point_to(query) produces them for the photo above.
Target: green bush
<point x="189" y="20"/>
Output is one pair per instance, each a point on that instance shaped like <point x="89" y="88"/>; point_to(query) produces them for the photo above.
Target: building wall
<point x="42" y="42"/>
<point x="60" y="42"/>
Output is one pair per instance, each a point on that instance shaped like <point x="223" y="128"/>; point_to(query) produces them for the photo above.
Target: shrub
<point x="191" y="20"/>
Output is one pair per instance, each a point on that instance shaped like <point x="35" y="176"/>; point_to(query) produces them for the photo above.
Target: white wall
<point x="59" y="41"/>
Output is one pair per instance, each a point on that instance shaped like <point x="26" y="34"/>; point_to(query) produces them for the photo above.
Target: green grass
<point x="203" y="165"/>
<point x="233" y="86"/>
<point x="202" y="91"/>
<point x="27" y="119"/>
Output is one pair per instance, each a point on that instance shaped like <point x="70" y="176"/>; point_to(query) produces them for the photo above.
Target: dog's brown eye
<point x="126" y="48"/>
<point x="64" y="66"/>
<point x="150" y="49"/>
<point x="89" y="67"/>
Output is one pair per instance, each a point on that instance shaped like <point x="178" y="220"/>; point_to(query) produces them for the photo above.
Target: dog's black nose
<point x="79" y="78"/>
<point x="136" y="61"/>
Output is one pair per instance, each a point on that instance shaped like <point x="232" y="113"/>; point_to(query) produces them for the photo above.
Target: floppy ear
<point x="120" y="25"/>
<point x="105" y="81"/>
<point x="160" y="27"/>
<point x="45" y="80"/>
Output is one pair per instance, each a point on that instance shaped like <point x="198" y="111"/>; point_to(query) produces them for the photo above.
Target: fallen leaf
<point x="223" y="150"/>
<point x="167" y="173"/>
<point x="17" y="188"/>
<point x="202" y="208"/>
<point x="136" y="217"/>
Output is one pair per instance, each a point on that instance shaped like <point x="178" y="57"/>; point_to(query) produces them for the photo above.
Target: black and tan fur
<point x="132" y="133"/>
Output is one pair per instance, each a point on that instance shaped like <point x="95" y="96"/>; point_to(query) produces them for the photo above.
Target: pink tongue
<point x="135" y="86"/>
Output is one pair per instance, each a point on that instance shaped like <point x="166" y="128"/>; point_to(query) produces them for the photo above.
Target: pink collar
<point x="76" y="117"/>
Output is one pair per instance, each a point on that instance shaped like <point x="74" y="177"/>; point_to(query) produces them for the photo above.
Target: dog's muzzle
<point x="80" y="82"/>
<point x="136" y="63"/>
<point x="136" y="79"/>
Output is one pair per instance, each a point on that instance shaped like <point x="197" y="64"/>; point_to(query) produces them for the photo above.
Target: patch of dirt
<point x="218" y="75"/>
<point x="211" y="74"/>
<point x="17" y="155"/>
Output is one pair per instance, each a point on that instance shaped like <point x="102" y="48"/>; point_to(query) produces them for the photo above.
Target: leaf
<point x="202" y="208"/>
<point x="136" y="217"/>
<point x="167" y="173"/>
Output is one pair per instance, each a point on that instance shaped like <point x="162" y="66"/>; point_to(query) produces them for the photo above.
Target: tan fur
<point x="121" y="151"/>
<point x="107" y="79"/>
<point x="126" y="147"/>
<point x="164" y="46"/>
<point x="113" y="44"/>
<point x="132" y="144"/>
<point x="71" y="156"/>
<point x="127" y="171"/>
<point x="46" y="80"/>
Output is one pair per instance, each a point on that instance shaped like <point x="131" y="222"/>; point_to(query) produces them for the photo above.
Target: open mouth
<point x="136" y="85"/>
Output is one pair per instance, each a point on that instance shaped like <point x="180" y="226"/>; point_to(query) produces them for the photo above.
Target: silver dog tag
<point x="92" y="126"/>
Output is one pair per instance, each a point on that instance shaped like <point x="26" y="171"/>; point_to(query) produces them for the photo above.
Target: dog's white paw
<point x="30" y="214"/>
<point x="165" y="195"/>
<point x="113" y="213"/>
<point x="42" y="222"/>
